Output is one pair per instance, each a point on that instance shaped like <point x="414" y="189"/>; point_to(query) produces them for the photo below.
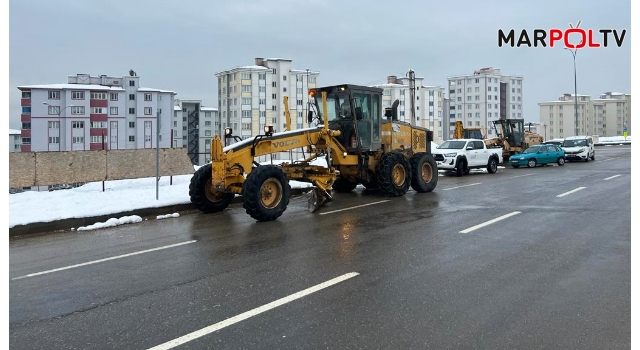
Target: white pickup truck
<point x="462" y="155"/>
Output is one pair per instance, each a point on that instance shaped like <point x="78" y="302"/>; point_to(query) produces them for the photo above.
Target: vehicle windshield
<point x="453" y="145"/>
<point x="574" y="143"/>
<point x="336" y="106"/>
<point x="532" y="149"/>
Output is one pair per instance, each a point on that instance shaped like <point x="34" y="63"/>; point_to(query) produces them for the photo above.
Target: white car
<point x="579" y="148"/>
<point x="462" y="155"/>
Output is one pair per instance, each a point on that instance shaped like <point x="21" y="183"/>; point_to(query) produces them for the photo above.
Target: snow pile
<point x="174" y="215"/>
<point x="112" y="222"/>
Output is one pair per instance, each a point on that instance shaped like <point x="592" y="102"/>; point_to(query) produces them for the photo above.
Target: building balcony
<point x="97" y="132"/>
<point x="25" y="117"/>
<point x="98" y="117"/>
<point x="25" y="148"/>
<point x="97" y="146"/>
<point x="25" y="102"/>
<point x="98" y="103"/>
<point x="25" y="133"/>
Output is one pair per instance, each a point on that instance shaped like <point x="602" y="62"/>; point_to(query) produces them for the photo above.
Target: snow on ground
<point x="132" y="219"/>
<point x="174" y="215"/>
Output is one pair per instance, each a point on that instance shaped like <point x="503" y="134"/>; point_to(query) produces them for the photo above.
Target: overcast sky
<point x="181" y="45"/>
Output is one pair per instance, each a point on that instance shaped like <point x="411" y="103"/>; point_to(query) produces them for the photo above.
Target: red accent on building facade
<point x="97" y="146"/>
<point x="25" y="148"/>
<point x="98" y="103"/>
<point x="25" y="102"/>
<point x="98" y="117"/>
<point x="25" y="117"/>
<point x="25" y="132"/>
<point x="97" y="132"/>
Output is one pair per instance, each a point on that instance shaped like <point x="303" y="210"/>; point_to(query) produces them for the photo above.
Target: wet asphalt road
<point x="556" y="275"/>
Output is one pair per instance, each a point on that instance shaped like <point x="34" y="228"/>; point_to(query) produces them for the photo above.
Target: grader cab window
<point x="335" y="104"/>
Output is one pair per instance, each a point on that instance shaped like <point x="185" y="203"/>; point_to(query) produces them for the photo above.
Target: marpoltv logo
<point x="580" y="37"/>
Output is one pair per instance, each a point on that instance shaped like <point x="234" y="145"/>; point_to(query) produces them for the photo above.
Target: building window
<point x="147" y="97"/>
<point x="132" y="111"/>
<point x="77" y="110"/>
<point x="26" y="126"/>
<point x="207" y="123"/>
<point x="147" y="111"/>
<point x="132" y="138"/>
<point x="132" y="83"/>
<point x="96" y="139"/>
<point x="26" y="94"/>
<point x="77" y="95"/>
<point x="207" y="133"/>
<point x="78" y="139"/>
<point x="26" y="140"/>
<point x="98" y="110"/>
<point x="114" y="125"/>
<point x="132" y="125"/>
<point x="77" y="125"/>
<point x="98" y="95"/>
<point x="147" y="124"/>
<point x="246" y="88"/>
<point x="207" y="114"/>
<point x="54" y="125"/>
<point x="54" y="95"/>
<point x="113" y="110"/>
<point x="54" y="140"/>
<point x="54" y="110"/>
<point x="114" y="96"/>
<point x="132" y="97"/>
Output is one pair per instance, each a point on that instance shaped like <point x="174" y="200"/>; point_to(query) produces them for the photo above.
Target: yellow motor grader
<point x="359" y="145"/>
<point x="512" y="137"/>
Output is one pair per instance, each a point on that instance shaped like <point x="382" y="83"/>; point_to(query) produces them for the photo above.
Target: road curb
<point x="67" y="224"/>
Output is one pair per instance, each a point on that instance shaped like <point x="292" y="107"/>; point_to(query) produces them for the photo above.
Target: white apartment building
<point x="607" y="115"/>
<point x="428" y="104"/>
<point x="14" y="140"/>
<point x="194" y="126"/>
<point x="486" y="95"/>
<point x="250" y="97"/>
<point x="93" y="113"/>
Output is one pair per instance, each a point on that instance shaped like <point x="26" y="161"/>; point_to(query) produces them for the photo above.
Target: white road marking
<point x="357" y="206"/>
<point x="103" y="260"/>
<point x="245" y="315"/>
<point x="611" y="177"/>
<point x="570" y="192"/>
<point x="453" y="188"/>
<point x="513" y="177"/>
<point x="473" y="228"/>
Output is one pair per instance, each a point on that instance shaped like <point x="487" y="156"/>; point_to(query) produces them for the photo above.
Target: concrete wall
<point x="50" y="168"/>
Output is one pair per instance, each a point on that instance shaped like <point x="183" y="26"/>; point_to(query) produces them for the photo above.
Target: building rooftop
<point x="209" y="109"/>
<point x="304" y="71"/>
<point x="14" y="132"/>
<point x="72" y="87"/>
<point x="143" y="89"/>
<point x="177" y="108"/>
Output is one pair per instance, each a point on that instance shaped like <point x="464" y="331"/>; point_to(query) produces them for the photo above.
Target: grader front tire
<point x="424" y="172"/>
<point x="265" y="193"/>
<point x="203" y="197"/>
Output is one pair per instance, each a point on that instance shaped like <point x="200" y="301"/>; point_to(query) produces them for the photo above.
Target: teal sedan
<point x="538" y="155"/>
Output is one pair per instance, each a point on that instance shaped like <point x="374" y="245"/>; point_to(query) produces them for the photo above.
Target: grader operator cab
<point x="512" y="137"/>
<point x="360" y="147"/>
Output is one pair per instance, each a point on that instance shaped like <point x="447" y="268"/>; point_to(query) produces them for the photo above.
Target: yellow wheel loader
<point x="359" y="145"/>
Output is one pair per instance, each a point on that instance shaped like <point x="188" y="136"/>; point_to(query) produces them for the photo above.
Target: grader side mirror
<point x="310" y="117"/>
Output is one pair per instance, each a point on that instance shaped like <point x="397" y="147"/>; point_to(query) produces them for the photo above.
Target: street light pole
<point x="575" y="83"/>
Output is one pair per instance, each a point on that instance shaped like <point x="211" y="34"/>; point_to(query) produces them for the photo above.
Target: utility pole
<point x="157" y="153"/>
<point x="412" y="94"/>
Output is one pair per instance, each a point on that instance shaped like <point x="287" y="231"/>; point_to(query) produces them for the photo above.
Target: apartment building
<point x="608" y="115"/>
<point x="428" y="104"/>
<point x="14" y="140"/>
<point x="95" y="112"/>
<point x="194" y="126"/>
<point x="250" y="97"/>
<point x="486" y="95"/>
